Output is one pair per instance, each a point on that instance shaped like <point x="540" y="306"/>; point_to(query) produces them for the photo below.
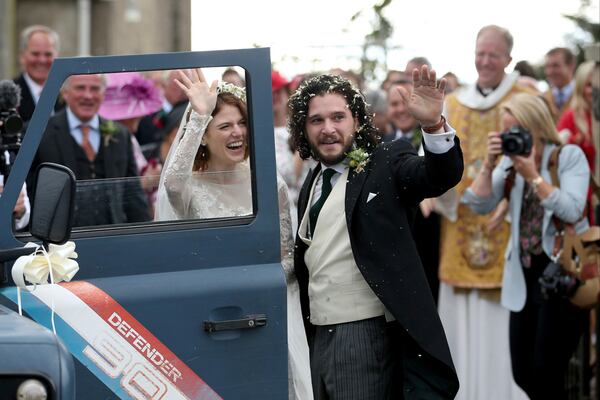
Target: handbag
<point x="578" y="254"/>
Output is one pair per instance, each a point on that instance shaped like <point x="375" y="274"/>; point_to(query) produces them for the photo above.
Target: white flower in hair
<point x="226" y="87"/>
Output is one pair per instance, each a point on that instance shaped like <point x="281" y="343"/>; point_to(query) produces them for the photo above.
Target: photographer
<point x="10" y="142"/>
<point x="544" y="332"/>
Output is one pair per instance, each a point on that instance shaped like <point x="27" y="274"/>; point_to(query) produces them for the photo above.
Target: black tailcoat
<point x="385" y="253"/>
<point x="27" y="104"/>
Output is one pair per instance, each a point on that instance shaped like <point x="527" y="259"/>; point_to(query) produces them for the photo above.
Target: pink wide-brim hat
<point x="129" y="95"/>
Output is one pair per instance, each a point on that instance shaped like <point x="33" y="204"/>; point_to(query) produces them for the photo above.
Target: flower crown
<point x="226" y="87"/>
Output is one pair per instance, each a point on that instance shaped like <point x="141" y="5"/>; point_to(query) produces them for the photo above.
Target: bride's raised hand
<point x="203" y="98"/>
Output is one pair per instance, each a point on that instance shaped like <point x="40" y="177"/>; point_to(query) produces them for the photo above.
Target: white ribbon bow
<point x="58" y="263"/>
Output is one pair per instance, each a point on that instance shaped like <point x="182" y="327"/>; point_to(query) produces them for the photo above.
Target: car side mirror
<point x="54" y="204"/>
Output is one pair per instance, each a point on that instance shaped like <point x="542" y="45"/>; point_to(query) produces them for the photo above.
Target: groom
<point x="371" y="322"/>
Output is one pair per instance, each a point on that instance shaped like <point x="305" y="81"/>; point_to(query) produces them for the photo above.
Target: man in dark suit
<point x="98" y="152"/>
<point x="371" y="321"/>
<point x="559" y="65"/>
<point x="38" y="46"/>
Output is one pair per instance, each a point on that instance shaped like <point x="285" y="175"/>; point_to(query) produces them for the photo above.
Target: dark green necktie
<point x="325" y="190"/>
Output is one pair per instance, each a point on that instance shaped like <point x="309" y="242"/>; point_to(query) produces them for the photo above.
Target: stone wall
<point x="117" y="27"/>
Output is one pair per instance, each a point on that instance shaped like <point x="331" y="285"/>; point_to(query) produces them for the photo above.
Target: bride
<point x="207" y="175"/>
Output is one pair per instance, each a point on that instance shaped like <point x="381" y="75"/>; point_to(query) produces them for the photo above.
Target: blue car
<point x="182" y="309"/>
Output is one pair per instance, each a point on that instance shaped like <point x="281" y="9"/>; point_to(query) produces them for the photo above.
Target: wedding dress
<point x="183" y="194"/>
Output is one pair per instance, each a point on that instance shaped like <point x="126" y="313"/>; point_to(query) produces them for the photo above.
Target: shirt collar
<point x="339" y="167"/>
<point x="166" y="106"/>
<point x="567" y="90"/>
<point x="34" y="87"/>
<point x="400" y="134"/>
<point x="75" y="123"/>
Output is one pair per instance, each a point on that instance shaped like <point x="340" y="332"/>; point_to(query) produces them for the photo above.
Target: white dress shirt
<point x="34" y="87"/>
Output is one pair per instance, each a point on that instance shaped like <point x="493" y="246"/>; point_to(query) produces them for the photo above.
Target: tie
<point x="560" y="99"/>
<point x="85" y="143"/>
<point x="325" y="190"/>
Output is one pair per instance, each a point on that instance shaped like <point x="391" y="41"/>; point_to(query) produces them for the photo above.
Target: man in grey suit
<point x="371" y="321"/>
<point x="98" y="151"/>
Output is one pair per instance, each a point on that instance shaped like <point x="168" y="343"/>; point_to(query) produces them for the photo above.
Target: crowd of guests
<point x="506" y="342"/>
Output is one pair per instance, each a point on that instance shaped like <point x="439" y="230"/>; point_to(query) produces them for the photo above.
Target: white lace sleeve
<point x="285" y="231"/>
<point x="178" y="170"/>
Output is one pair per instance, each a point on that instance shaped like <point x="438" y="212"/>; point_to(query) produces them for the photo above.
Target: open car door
<point x="188" y="309"/>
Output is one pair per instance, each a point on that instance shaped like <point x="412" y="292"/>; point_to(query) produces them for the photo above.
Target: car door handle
<point x="248" y="322"/>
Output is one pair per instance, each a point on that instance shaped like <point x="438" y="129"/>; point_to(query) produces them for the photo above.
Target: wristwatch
<point x="536" y="182"/>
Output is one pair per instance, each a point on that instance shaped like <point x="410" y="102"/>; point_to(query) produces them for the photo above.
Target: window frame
<point x="261" y="230"/>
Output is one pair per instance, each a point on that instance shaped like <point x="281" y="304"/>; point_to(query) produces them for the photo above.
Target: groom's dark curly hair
<point x="366" y="137"/>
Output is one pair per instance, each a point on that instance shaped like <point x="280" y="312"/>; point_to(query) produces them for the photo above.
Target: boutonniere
<point x="358" y="159"/>
<point x="109" y="130"/>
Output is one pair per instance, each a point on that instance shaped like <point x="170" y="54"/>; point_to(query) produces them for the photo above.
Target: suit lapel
<point x="27" y="103"/>
<point x="108" y="156"/>
<point x="354" y="186"/>
<point x="305" y="192"/>
<point x="62" y="138"/>
<point x="26" y="96"/>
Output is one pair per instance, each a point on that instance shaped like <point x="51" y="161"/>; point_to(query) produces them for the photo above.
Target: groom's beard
<point x="330" y="159"/>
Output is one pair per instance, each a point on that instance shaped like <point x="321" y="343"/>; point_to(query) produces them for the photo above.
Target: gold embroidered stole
<point x="470" y="256"/>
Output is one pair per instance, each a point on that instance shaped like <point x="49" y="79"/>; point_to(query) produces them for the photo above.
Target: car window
<point x="136" y="163"/>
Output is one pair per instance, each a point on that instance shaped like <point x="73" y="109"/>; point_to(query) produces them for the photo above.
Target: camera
<point x="554" y="282"/>
<point x="11" y="124"/>
<point x="516" y="141"/>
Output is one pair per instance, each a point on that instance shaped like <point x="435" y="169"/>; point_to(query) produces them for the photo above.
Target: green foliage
<point x="590" y="27"/>
<point x="593" y="28"/>
<point x="377" y="39"/>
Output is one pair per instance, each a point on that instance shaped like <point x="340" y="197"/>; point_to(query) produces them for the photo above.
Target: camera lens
<point x="511" y="146"/>
<point x="13" y="124"/>
<point x="516" y="141"/>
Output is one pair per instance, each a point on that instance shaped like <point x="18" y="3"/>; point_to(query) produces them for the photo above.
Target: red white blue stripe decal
<point x="112" y="344"/>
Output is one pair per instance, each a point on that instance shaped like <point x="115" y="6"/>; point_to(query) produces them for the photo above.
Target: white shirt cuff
<point x="22" y="222"/>
<point x="440" y="143"/>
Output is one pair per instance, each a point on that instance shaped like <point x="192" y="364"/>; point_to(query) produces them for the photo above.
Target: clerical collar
<point x="486" y="91"/>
